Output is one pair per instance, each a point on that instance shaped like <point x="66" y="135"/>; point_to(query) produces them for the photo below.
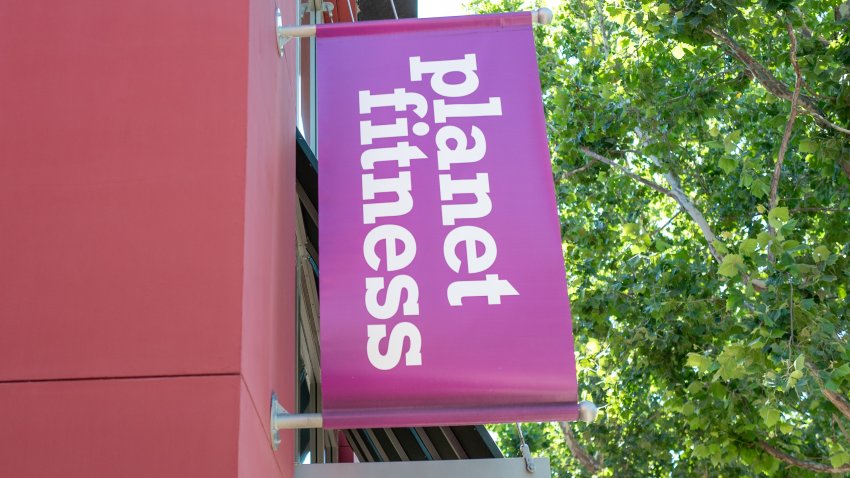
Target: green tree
<point x="702" y="164"/>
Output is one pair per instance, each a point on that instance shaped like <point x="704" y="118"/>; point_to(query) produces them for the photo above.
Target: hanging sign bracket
<point x="280" y="419"/>
<point x="539" y="16"/>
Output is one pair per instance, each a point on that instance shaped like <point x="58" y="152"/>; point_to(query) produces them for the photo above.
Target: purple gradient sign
<point x="443" y="292"/>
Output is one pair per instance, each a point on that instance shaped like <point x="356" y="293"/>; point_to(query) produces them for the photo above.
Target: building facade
<point x="159" y="253"/>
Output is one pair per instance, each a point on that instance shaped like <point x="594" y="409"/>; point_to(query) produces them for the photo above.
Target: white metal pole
<point x="297" y="31"/>
<point x="280" y="419"/>
<point x="540" y="16"/>
<point x="283" y="420"/>
<point x="291" y="421"/>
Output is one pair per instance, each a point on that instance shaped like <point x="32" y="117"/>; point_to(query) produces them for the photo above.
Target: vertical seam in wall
<point x="245" y="95"/>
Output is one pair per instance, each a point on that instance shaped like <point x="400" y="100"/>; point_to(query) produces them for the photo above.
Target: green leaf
<point x="720" y="247"/>
<point x="839" y="459"/>
<point x="701" y="362"/>
<point x="800" y="362"/>
<point x="727" y="164"/>
<point x="789" y="245"/>
<point x="808" y="146"/>
<point x="678" y="52"/>
<point x="803" y="269"/>
<point x="730" y="264"/>
<point x="820" y="254"/>
<point x="732" y="362"/>
<point x="789" y="226"/>
<point x="695" y="387"/>
<point x="770" y="415"/>
<point x="701" y="451"/>
<point x="707" y="9"/>
<point x="842" y="12"/>
<point x="592" y="346"/>
<point x="618" y="15"/>
<point x="733" y="302"/>
<point x="748" y="246"/>
<point x="760" y="188"/>
<point x="841" y="371"/>
<point x="735" y="136"/>
<point x="714" y="131"/>
<point x="777" y="217"/>
<point x="729" y="146"/>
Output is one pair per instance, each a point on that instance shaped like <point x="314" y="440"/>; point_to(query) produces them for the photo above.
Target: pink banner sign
<point x="443" y="291"/>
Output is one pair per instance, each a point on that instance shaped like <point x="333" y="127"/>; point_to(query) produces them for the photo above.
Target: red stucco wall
<point x="146" y="251"/>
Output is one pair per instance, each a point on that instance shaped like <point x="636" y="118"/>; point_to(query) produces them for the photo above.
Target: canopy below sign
<point x="493" y="468"/>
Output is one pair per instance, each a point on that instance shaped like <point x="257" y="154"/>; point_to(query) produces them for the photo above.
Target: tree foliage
<point x="702" y="165"/>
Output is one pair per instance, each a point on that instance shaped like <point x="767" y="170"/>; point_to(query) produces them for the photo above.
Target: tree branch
<point x="579" y="453"/>
<point x="669" y="221"/>
<point x="807" y="32"/>
<point x="689" y="207"/>
<point x="837" y="421"/>
<point x="836" y="399"/>
<point x="769" y="82"/>
<point x="602" y="30"/>
<point x="684" y="201"/>
<point x="674" y="192"/>
<point x="789" y="126"/>
<point x="582" y="169"/>
<point x="845" y="166"/>
<point x="644" y="181"/>
<point x="805" y="464"/>
<point x="818" y="209"/>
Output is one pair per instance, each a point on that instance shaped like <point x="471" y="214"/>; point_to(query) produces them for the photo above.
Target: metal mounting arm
<point x="280" y="419"/>
<point x="539" y="16"/>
